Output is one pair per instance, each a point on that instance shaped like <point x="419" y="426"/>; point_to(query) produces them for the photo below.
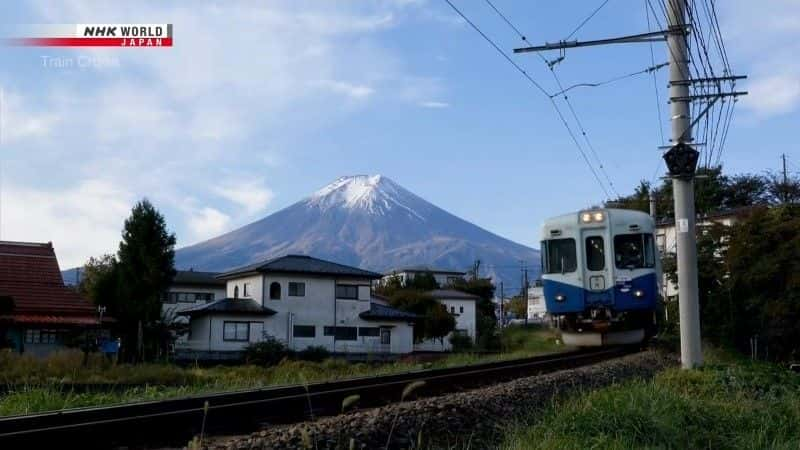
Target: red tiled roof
<point x="30" y="275"/>
<point x="50" y="320"/>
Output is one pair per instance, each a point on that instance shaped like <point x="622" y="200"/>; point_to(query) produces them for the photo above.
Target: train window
<point x="634" y="251"/>
<point x="559" y="256"/>
<point x="595" y="253"/>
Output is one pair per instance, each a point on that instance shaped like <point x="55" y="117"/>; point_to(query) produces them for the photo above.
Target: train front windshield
<point x="559" y="256"/>
<point x="634" y="251"/>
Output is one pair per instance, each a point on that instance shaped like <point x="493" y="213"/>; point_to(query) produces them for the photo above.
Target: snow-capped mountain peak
<point x="375" y="194"/>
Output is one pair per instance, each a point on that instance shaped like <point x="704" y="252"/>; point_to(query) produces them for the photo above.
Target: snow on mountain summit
<point x="375" y="194"/>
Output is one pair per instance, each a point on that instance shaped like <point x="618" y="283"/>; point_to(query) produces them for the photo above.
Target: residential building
<point x="443" y="277"/>
<point x="190" y="288"/>
<point x="666" y="239"/>
<point x="301" y="301"/>
<point x="536" y="305"/>
<point x="38" y="313"/>
<point x="463" y="307"/>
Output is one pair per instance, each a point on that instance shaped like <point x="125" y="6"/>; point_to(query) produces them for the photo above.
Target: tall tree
<point x="145" y="265"/>
<point x="435" y="322"/>
<point x="98" y="280"/>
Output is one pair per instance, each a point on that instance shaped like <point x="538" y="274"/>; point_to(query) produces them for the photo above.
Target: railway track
<point x="176" y="421"/>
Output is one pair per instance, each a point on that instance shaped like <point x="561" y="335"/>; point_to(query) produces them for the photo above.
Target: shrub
<point x="266" y="353"/>
<point x="461" y="342"/>
<point x="314" y="353"/>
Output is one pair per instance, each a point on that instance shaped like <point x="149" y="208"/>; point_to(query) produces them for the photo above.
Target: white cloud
<point x="18" y="121"/>
<point x="207" y="222"/>
<point x="766" y="34"/>
<point x="434" y="104"/>
<point x="348" y="89"/>
<point x="772" y="95"/>
<point x="81" y="220"/>
<point x="252" y="196"/>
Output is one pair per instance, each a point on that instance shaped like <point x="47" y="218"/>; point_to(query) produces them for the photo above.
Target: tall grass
<point x="35" y="384"/>
<point x="727" y="404"/>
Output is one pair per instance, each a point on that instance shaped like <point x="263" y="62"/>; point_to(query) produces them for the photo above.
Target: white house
<point x="666" y="239"/>
<point x="443" y="277"/>
<point x="536" y="305"/>
<point x="461" y="305"/>
<point x="302" y="301"/>
<point x="190" y="288"/>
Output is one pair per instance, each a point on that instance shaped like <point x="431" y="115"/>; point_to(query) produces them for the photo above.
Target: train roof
<point x="614" y="216"/>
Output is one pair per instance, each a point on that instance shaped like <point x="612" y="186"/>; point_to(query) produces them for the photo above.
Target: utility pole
<point x="525" y="287"/>
<point x="652" y="198"/>
<point x="502" y="300"/>
<point x="682" y="154"/>
<point x="785" y="181"/>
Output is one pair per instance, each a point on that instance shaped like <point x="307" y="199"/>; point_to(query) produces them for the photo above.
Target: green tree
<point x="144" y="270"/>
<point x="423" y="281"/>
<point x="518" y="306"/>
<point x="98" y="279"/>
<point x="435" y="322"/>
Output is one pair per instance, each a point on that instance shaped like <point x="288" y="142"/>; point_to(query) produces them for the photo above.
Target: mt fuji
<point x="371" y="222"/>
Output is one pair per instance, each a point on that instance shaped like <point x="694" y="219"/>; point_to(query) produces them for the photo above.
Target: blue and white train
<point x="601" y="275"/>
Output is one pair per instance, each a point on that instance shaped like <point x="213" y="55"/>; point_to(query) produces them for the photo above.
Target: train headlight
<point x="592" y="217"/>
<point x="560" y="297"/>
<point x="598" y="216"/>
<point x="586" y="217"/>
<point x="638" y="293"/>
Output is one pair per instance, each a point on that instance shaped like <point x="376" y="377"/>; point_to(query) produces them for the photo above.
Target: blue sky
<point x="261" y="103"/>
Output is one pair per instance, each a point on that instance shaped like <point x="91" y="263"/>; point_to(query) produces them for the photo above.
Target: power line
<point x="537" y="85"/>
<point x="571" y="108"/>
<point x="652" y="69"/>
<point x="587" y="19"/>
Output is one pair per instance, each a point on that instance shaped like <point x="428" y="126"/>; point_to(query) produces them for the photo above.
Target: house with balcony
<point x="38" y="313"/>
<point x="301" y="301"/>
<point x="444" y="277"/>
<point x="190" y="288"/>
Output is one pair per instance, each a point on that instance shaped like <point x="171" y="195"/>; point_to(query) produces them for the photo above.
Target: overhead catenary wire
<point x="540" y="89"/>
<point x="587" y="19"/>
<point x="562" y="91"/>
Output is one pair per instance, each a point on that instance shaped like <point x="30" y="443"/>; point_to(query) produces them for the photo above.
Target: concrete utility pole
<point x="502" y="300"/>
<point x="785" y="181"/>
<point x="652" y="198"/>
<point x="683" y="185"/>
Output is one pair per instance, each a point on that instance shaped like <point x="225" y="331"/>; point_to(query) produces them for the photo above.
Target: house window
<point x="203" y="297"/>
<point x="275" y="291"/>
<point x="452" y="310"/>
<point x="386" y="336"/>
<point x="347" y="291"/>
<point x="41" y="336"/>
<point x="236" y="331"/>
<point x="297" y="289"/>
<point x="236" y="292"/>
<point x="304" y="331"/>
<point x="342" y="333"/>
<point x="369" y="331"/>
<point x="461" y="309"/>
<point x="246" y="290"/>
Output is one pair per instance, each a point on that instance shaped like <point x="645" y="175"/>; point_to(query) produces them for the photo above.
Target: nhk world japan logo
<point x="92" y="35"/>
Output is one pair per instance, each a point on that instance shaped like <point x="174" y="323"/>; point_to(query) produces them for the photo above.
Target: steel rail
<point x="176" y="421"/>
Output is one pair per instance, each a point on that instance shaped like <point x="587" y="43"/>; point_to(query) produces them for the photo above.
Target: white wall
<point x="536" y="304"/>
<point x="254" y="290"/>
<point x="170" y="309"/>
<point x="464" y="321"/>
<point x="207" y="332"/>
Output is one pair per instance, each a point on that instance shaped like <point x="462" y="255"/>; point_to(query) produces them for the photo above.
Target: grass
<point x="35" y="385"/>
<point x="730" y="403"/>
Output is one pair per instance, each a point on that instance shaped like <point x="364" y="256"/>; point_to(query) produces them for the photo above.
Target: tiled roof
<point x="195" y="277"/>
<point x="378" y="311"/>
<point x="451" y="294"/>
<point x="29" y="275"/>
<point x="301" y="264"/>
<point x="229" y="305"/>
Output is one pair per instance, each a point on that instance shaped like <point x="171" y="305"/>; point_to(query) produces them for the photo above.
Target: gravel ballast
<point x="476" y="417"/>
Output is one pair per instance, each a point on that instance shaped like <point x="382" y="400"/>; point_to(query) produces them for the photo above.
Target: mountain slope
<point x="370" y="222"/>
